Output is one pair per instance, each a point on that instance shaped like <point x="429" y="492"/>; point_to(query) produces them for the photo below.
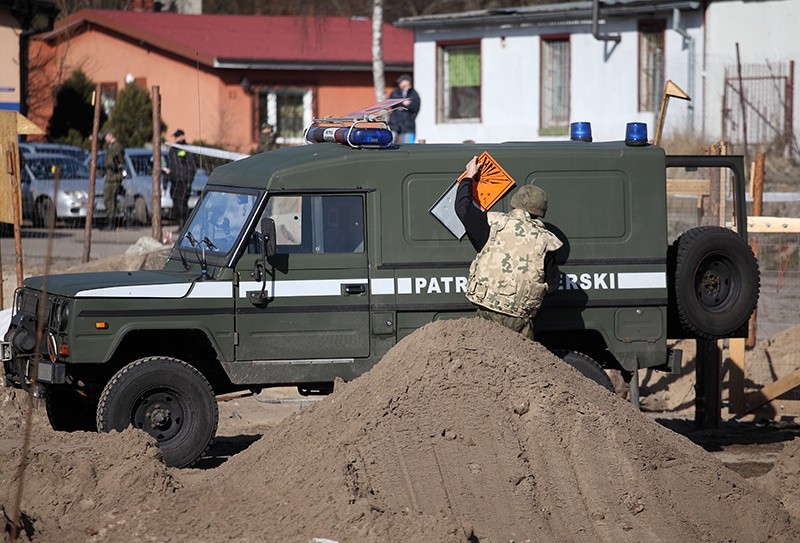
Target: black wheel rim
<point x="161" y="413"/>
<point x="715" y="282"/>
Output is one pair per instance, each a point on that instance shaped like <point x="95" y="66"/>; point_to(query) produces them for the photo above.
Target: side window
<point x="316" y="223"/>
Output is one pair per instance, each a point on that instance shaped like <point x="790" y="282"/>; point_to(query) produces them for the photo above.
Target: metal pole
<point x="87" y="231"/>
<point x="708" y="389"/>
<point x="758" y="205"/>
<point x="17" y="213"/>
<point x="156" y="204"/>
<point x="742" y="104"/>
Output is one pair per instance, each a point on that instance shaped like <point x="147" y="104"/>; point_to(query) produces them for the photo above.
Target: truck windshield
<point x="218" y="221"/>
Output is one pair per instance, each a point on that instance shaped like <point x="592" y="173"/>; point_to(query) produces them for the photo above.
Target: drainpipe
<point x="596" y="25"/>
<point x="676" y="19"/>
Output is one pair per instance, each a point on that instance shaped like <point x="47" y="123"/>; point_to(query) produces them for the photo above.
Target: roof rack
<point x="367" y="127"/>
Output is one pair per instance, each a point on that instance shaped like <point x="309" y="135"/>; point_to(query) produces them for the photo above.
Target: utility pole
<point x="87" y="231"/>
<point x="378" y="79"/>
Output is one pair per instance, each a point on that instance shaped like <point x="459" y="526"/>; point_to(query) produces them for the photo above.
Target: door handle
<point x="355" y="289"/>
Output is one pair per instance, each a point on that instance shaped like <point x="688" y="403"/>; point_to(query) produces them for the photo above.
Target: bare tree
<point x="378" y="79"/>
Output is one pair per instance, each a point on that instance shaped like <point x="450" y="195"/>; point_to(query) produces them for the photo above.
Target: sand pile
<point x="463" y="432"/>
<point x="783" y="480"/>
<point x="77" y="483"/>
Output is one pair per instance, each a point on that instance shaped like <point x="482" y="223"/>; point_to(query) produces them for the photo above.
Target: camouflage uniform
<point x="507" y="277"/>
<point x="112" y="179"/>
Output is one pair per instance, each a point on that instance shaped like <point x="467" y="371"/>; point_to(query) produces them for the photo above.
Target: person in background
<point x="402" y="122"/>
<point x="181" y="171"/>
<point x="515" y="266"/>
<point x="112" y="178"/>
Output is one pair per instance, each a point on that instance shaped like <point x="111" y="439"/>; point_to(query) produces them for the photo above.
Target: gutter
<point x="244" y="64"/>
<point x="596" y="25"/>
<point x="575" y="12"/>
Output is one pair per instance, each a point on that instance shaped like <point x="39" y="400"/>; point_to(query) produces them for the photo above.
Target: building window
<point x="554" y="82"/>
<point x="288" y="111"/>
<point x="651" y="64"/>
<point x="459" y="93"/>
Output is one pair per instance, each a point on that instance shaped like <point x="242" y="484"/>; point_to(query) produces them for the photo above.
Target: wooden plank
<point x="736" y="383"/>
<point x="688" y="186"/>
<point x="773" y="390"/>
<point x="773" y="225"/>
<point x="779" y="408"/>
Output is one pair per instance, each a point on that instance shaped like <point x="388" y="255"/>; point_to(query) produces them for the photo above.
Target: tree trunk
<point x="377" y="51"/>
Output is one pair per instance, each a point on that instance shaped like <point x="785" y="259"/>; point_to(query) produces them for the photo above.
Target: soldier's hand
<point x="473" y="167"/>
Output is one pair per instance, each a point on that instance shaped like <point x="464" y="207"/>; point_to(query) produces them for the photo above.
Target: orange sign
<point x="494" y="182"/>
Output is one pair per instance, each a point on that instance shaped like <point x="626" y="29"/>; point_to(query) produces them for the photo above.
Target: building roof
<point x="249" y="41"/>
<point x="547" y="13"/>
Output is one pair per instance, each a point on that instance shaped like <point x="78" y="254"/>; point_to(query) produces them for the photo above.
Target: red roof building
<point x="224" y="77"/>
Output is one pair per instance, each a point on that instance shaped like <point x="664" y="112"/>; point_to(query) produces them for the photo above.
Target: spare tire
<point x="715" y="281"/>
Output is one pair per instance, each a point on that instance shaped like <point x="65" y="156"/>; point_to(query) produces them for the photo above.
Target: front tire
<point x="140" y="214"/>
<point x="587" y="366"/>
<point x="168" y="399"/>
<point x="42" y="215"/>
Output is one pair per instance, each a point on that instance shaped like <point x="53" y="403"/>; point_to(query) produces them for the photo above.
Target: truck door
<point x="317" y="305"/>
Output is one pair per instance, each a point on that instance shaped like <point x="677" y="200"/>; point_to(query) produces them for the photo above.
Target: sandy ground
<point x="463" y="432"/>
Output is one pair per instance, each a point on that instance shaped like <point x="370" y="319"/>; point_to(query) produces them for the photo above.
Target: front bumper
<point x="20" y="371"/>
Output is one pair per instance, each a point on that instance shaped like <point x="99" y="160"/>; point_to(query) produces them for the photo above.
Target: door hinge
<point x="236" y="339"/>
<point x="236" y="279"/>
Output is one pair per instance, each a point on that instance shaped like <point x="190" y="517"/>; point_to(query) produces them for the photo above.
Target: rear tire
<point x="715" y="282"/>
<point x="587" y="366"/>
<point x="168" y="399"/>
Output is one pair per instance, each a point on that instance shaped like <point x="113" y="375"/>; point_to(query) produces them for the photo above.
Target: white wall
<point x="604" y="79"/>
<point x="767" y="31"/>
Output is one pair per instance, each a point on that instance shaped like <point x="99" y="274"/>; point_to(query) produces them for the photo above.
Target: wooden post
<point x="156" y="204"/>
<point x="758" y="207"/>
<point x="736" y="352"/>
<point x="708" y="390"/>
<point x="87" y="231"/>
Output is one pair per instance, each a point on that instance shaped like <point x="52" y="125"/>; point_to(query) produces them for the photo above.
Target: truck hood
<point x="137" y="284"/>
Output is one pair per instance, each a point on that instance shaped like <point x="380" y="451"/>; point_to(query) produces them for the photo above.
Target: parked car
<point x="138" y="184"/>
<point x="38" y="194"/>
<point x="74" y="151"/>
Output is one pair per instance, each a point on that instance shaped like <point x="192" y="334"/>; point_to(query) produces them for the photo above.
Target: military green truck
<point x="305" y="264"/>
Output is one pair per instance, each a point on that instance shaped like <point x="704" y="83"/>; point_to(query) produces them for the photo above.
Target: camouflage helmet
<point x="530" y="198"/>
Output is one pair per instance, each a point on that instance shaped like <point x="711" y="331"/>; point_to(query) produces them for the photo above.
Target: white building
<point x="526" y="73"/>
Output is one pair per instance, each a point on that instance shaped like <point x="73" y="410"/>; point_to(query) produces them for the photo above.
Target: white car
<point x="39" y="194"/>
<point x="138" y="184"/>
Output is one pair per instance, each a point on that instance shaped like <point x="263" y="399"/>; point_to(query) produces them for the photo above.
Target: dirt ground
<point x="463" y="432"/>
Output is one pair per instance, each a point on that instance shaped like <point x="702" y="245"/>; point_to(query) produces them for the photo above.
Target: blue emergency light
<point x="636" y="134"/>
<point x="580" y="131"/>
<point x="353" y="136"/>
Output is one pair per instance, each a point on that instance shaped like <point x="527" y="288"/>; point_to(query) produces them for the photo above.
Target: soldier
<point x="515" y="267"/>
<point x="112" y="178"/>
<point x="181" y="171"/>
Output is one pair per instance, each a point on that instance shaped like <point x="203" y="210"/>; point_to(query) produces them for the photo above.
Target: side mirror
<point x="268" y="236"/>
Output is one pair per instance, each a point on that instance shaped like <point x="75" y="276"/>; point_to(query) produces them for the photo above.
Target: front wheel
<point x="140" y="214"/>
<point x="43" y="216"/>
<point x="587" y="366"/>
<point x="168" y="399"/>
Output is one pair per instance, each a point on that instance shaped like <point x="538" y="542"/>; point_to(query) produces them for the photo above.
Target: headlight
<point x="77" y="194"/>
<point x="62" y="315"/>
<point x="18" y="296"/>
